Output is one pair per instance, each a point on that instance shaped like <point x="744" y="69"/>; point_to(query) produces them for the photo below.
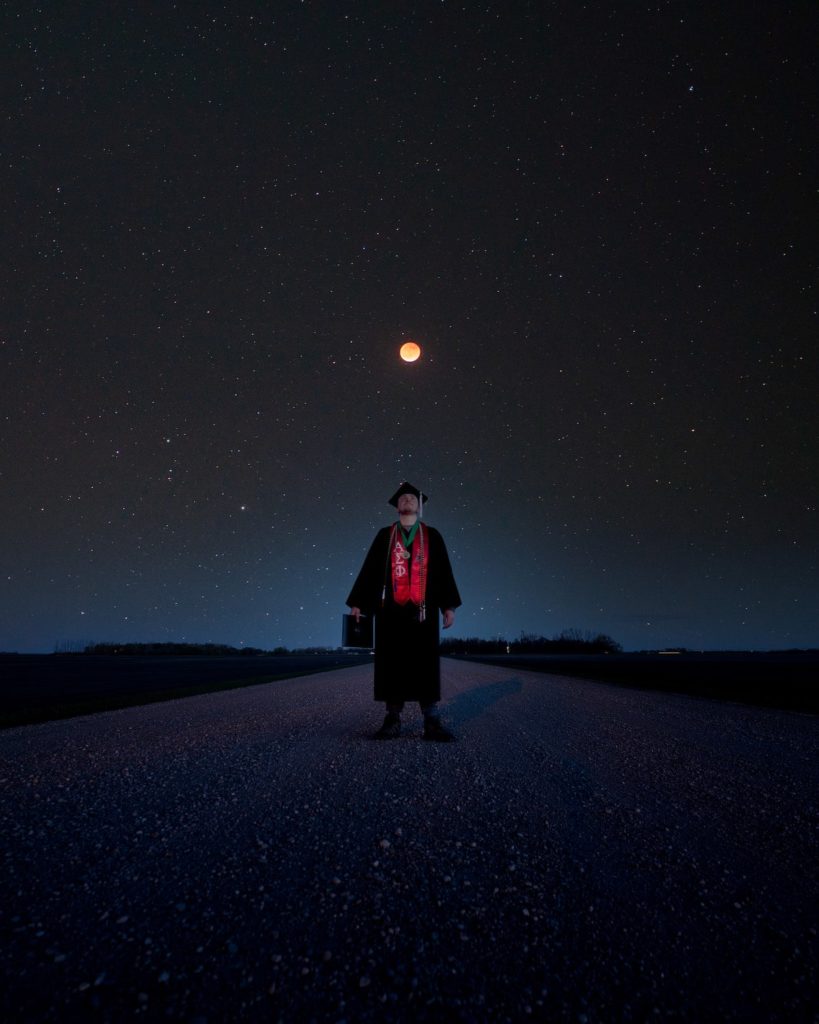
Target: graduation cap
<point x="406" y="488"/>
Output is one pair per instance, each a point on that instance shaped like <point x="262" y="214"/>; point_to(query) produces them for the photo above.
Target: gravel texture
<point x="584" y="853"/>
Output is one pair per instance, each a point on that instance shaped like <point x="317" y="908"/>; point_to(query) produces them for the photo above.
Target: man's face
<point x="407" y="504"/>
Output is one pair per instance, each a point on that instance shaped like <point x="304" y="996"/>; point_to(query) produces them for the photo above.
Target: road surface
<point x="584" y="853"/>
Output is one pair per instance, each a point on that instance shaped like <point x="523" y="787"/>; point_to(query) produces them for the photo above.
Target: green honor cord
<point x="409" y="537"/>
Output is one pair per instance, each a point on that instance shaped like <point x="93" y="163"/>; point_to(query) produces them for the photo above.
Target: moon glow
<point x="410" y="351"/>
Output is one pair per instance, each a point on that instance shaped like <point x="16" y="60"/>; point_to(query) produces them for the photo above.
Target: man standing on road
<point x="406" y="580"/>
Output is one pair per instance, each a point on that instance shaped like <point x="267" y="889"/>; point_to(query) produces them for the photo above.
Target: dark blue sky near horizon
<point x="221" y="222"/>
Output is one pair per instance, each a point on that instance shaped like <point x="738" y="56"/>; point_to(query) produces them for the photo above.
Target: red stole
<point x="409" y="574"/>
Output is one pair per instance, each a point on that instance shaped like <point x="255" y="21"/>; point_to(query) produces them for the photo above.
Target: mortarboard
<point x="406" y="488"/>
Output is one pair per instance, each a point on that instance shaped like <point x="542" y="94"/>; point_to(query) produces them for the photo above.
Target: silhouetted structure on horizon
<point x="570" y="641"/>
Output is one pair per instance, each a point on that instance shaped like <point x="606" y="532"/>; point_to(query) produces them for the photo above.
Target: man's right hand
<point x="356" y="613"/>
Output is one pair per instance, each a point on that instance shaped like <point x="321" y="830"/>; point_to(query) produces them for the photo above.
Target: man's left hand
<point x="449" y="618"/>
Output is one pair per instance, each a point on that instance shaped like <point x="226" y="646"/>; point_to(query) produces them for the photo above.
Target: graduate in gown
<point x="406" y="582"/>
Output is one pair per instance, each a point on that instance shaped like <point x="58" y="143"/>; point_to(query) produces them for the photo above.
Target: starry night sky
<point x="221" y="221"/>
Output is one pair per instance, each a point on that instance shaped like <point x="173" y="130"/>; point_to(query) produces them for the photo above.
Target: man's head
<point x="408" y="500"/>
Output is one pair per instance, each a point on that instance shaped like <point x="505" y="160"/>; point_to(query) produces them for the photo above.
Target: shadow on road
<point x="456" y="713"/>
<point x="470" y="705"/>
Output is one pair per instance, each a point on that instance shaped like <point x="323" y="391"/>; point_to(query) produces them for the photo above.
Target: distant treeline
<point x="570" y="641"/>
<point x="214" y="650"/>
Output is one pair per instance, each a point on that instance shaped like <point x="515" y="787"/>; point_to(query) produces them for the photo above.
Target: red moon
<point x="410" y="351"/>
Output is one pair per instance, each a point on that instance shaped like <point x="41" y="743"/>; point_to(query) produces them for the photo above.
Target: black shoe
<point x="390" y="729"/>
<point x="434" y="730"/>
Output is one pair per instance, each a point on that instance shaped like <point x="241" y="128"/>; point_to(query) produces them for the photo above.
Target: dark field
<point x="42" y="687"/>
<point x="778" y="679"/>
<point x="37" y="688"/>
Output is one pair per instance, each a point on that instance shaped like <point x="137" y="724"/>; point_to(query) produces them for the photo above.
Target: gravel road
<point x="584" y="853"/>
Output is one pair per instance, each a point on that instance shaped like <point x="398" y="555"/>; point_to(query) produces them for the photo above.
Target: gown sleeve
<point x="366" y="592"/>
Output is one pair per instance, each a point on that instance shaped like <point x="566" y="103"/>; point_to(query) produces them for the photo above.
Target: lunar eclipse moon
<point x="410" y="351"/>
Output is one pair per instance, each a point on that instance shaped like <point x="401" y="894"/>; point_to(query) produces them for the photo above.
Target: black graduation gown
<point x="407" y="661"/>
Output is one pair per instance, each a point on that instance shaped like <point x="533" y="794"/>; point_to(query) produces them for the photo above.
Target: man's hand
<point x="449" y="617"/>
<point x="356" y="614"/>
